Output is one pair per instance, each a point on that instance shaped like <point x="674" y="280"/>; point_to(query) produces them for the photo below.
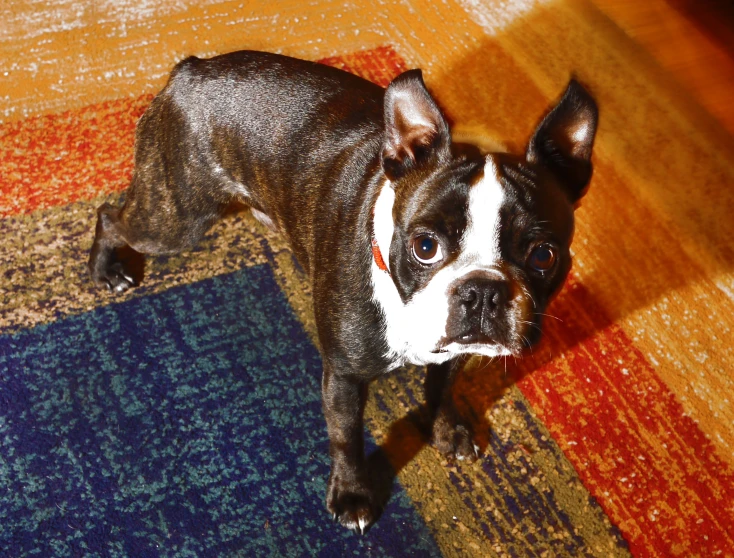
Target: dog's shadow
<point x="403" y="442"/>
<point x="410" y="434"/>
<point x="405" y="438"/>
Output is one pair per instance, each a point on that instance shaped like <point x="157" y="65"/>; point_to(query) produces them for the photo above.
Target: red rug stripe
<point x="58" y="159"/>
<point x="647" y="463"/>
<point x="62" y="158"/>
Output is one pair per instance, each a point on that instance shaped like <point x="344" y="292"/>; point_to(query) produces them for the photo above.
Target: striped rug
<point x="183" y="418"/>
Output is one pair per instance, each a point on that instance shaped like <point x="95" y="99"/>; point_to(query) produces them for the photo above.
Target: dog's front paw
<point x="115" y="278"/>
<point x="351" y="503"/>
<point x="454" y="440"/>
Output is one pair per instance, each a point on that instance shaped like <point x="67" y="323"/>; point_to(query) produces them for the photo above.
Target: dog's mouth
<point x="474" y="339"/>
<point x="478" y="343"/>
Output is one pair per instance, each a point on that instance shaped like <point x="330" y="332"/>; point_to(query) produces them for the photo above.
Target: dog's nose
<point x="483" y="297"/>
<point x="479" y="309"/>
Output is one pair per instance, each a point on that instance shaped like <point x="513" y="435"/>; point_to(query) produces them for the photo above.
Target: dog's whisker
<point x="529" y="344"/>
<point x="527" y="294"/>
<point x="536" y="326"/>
<point x="550" y="316"/>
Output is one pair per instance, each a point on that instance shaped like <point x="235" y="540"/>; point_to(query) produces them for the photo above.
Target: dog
<point x="418" y="251"/>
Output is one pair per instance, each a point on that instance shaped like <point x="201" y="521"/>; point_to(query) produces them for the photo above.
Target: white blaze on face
<point x="480" y="244"/>
<point x="415" y="329"/>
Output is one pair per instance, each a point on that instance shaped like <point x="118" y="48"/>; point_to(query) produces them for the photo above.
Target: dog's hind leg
<point x="152" y="221"/>
<point x="173" y="199"/>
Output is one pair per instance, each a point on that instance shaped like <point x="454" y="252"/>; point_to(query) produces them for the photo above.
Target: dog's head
<point x="476" y="246"/>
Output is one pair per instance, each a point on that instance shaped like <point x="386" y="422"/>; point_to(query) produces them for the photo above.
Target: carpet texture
<point x="183" y="419"/>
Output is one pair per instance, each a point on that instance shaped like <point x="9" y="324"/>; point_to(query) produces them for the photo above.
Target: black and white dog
<point x="416" y="253"/>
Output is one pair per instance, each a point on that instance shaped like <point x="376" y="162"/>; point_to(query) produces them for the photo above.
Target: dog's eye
<point x="427" y="249"/>
<point x="542" y="258"/>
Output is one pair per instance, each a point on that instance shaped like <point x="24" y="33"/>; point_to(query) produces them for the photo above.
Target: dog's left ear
<point x="415" y="129"/>
<point x="563" y="140"/>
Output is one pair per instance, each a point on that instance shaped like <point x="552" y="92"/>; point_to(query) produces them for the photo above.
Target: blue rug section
<point x="186" y="423"/>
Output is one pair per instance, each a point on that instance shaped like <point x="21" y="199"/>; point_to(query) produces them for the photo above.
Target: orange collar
<point x="378" y="256"/>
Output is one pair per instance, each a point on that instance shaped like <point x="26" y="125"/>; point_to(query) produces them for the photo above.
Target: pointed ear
<point x="563" y="140"/>
<point x="415" y="129"/>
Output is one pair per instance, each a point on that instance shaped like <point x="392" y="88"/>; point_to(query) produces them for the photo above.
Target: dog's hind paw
<point x="115" y="278"/>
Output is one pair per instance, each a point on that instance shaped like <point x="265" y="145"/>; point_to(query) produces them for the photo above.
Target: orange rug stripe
<point x="652" y="469"/>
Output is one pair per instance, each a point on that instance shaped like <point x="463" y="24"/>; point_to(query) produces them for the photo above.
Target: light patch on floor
<point x="494" y="17"/>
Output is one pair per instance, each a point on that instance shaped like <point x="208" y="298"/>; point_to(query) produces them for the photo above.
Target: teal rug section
<point x="186" y="423"/>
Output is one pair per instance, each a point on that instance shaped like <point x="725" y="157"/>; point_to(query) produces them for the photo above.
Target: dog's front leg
<point x="349" y="496"/>
<point x="449" y="434"/>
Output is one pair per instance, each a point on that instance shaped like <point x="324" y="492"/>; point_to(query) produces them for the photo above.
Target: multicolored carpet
<point x="183" y="418"/>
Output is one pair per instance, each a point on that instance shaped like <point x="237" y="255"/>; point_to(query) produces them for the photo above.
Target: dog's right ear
<point x="415" y="129"/>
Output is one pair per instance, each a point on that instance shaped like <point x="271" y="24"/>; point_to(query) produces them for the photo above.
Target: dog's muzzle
<point x="479" y="309"/>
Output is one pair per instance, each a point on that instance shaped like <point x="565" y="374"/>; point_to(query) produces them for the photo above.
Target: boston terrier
<point x="418" y="251"/>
